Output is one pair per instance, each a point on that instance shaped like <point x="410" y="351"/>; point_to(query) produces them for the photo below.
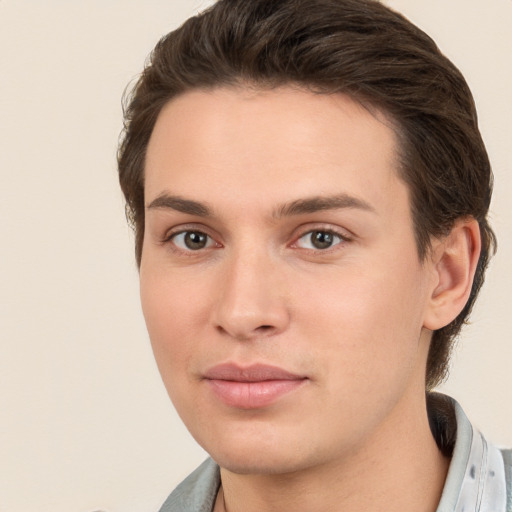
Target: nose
<point x="252" y="301"/>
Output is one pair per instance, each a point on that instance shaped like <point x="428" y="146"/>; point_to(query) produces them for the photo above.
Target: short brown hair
<point x="356" y="47"/>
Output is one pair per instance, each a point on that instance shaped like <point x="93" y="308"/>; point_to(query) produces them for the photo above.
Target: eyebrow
<point x="179" y="204"/>
<point x="320" y="203"/>
<point x="297" y="207"/>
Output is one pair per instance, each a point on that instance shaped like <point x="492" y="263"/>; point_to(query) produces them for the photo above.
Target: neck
<point x="399" y="468"/>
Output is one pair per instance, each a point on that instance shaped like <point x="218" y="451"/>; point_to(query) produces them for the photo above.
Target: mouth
<point x="251" y="387"/>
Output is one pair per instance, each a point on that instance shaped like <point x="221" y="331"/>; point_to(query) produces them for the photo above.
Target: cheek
<point x="366" y="324"/>
<point x="171" y="315"/>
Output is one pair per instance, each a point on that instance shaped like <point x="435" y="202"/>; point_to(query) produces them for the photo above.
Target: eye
<point x="319" y="239"/>
<point x="192" y="240"/>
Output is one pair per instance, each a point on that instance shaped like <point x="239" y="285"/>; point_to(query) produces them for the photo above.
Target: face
<point x="280" y="280"/>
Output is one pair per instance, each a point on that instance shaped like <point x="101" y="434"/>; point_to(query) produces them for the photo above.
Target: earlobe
<point x="454" y="260"/>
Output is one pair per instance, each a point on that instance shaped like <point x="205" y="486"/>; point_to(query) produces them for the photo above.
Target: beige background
<point x="85" y="423"/>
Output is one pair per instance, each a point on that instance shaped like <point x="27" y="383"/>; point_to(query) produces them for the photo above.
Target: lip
<point x="251" y="387"/>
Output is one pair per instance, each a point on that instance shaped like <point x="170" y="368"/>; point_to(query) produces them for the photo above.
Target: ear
<point x="454" y="260"/>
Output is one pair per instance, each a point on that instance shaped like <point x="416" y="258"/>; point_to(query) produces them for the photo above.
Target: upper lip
<point x="252" y="373"/>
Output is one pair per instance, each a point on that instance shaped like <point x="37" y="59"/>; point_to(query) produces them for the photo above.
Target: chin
<point x="260" y="454"/>
<point x="260" y="464"/>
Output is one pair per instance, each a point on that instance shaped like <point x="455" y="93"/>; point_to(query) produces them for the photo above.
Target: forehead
<point x="235" y="144"/>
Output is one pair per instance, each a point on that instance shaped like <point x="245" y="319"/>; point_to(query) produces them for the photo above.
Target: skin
<point x="354" y="318"/>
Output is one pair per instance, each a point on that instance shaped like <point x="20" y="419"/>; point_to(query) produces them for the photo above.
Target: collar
<point x="476" y="476"/>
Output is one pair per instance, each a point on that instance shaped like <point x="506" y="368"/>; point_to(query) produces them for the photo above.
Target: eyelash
<point x="334" y="234"/>
<point x="170" y="238"/>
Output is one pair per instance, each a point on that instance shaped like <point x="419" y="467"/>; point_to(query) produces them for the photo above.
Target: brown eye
<point x="319" y="239"/>
<point x="192" y="240"/>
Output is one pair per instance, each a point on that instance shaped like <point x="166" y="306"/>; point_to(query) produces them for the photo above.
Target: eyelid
<point x="210" y="242"/>
<point x="183" y="228"/>
<point x="170" y="234"/>
<point x="344" y="234"/>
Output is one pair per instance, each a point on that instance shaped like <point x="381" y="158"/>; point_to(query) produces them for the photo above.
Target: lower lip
<point x="253" y="395"/>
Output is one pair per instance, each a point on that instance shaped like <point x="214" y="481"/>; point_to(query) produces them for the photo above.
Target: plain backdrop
<point x="85" y="423"/>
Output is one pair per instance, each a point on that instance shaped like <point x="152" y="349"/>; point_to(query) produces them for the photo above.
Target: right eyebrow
<point x="179" y="204"/>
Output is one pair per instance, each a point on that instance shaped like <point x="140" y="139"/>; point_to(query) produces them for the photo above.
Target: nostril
<point x="245" y="335"/>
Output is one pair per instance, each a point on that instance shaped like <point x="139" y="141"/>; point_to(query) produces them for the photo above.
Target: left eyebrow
<point x="320" y="203"/>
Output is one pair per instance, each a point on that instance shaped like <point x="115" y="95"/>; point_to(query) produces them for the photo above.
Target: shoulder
<point x="507" y="459"/>
<point x="197" y="492"/>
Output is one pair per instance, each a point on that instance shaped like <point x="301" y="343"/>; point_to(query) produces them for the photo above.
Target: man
<point x="309" y="191"/>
